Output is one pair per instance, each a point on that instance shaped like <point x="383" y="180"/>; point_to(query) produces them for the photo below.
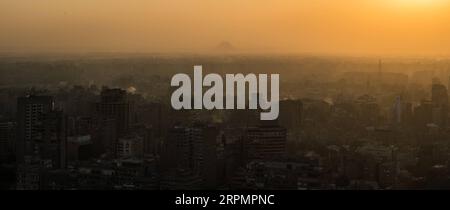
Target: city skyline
<point x="255" y="95"/>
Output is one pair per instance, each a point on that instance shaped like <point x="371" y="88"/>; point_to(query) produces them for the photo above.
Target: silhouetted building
<point x="265" y="142"/>
<point x="209" y="165"/>
<point x="7" y="140"/>
<point x="368" y="109"/>
<point x="402" y="112"/>
<point x="423" y="114"/>
<point x="105" y="138"/>
<point x="439" y="95"/>
<point x="28" y="175"/>
<point x="439" y="98"/>
<point x="130" y="146"/>
<point x="29" y="112"/>
<point x="114" y="105"/>
<point x="53" y="142"/>
<point x="81" y="125"/>
<point x="154" y="114"/>
<point x="79" y="148"/>
<point x="291" y="114"/>
<point x="182" y="149"/>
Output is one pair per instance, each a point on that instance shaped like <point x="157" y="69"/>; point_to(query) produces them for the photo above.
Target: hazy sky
<point x="286" y="26"/>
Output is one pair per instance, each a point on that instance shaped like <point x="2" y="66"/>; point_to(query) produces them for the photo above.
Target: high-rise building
<point x="368" y="109"/>
<point x="265" y="142"/>
<point x="114" y="105"/>
<point x="291" y="114"/>
<point x="439" y="95"/>
<point x="182" y="148"/>
<point x="423" y="114"/>
<point x="80" y="125"/>
<point x="28" y="175"/>
<point x="210" y="167"/>
<point x="29" y="111"/>
<point x="79" y="148"/>
<point x="52" y="144"/>
<point x="154" y="114"/>
<point x="439" y="98"/>
<point x="7" y="140"/>
<point x="105" y="137"/>
<point x="402" y="112"/>
<point x="130" y="146"/>
<point x="151" y="143"/>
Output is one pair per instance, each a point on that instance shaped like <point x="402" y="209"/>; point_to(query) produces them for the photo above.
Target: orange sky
<point x="356" y="27"/>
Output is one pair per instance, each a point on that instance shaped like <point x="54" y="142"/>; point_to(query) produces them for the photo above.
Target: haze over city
<point x="360" y="94"/>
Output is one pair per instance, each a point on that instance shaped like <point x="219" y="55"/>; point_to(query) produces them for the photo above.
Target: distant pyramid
<point x="225" y="47"/>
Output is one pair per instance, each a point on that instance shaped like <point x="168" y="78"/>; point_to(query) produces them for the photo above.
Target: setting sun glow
<point x="419" y="3"/>
<point x="319" y="26"/>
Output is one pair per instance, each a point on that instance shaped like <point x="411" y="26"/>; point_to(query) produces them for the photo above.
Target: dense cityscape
<point x="106" y="123"/>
